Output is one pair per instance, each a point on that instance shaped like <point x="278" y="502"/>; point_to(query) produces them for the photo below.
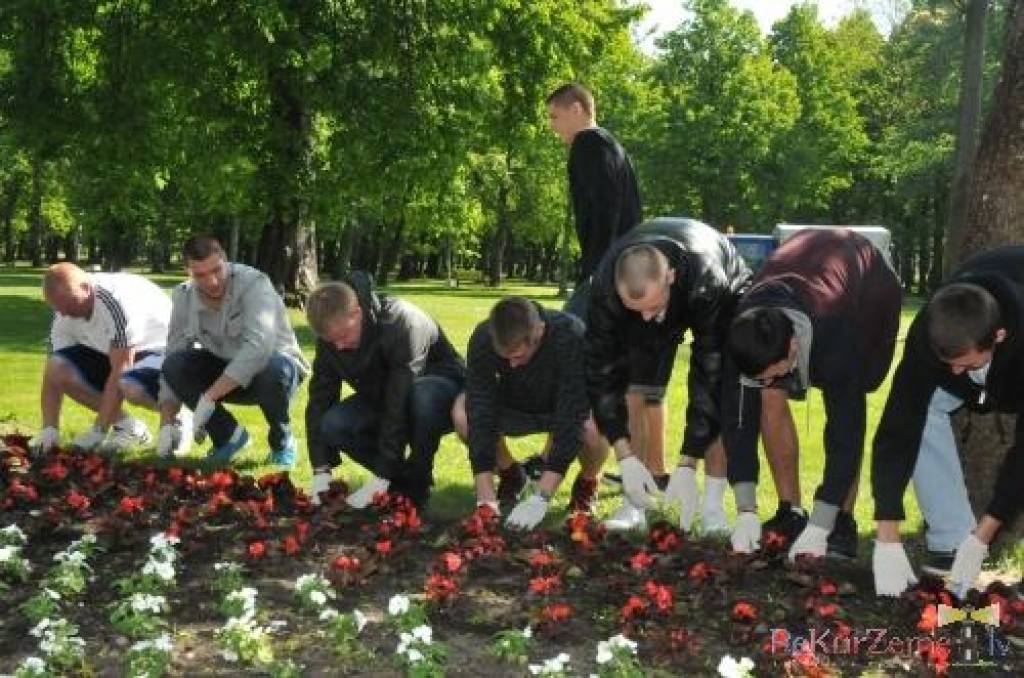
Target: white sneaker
<point x="321" y="483"/>
<point x="127" y="433"/>
<point x="714" y="521"/>
<point x="183" y="440"/>
<point x="627" y="517"/>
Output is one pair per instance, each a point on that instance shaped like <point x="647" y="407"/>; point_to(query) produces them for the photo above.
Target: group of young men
<point x="823" y="311"/>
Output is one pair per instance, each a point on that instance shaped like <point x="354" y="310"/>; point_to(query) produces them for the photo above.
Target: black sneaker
<point x="612" y="479"/>
<point x="788" y="522"/>
<point x="534" y="466"/>
<point x="662" y="481"/>
<point x="511" y="482"/>
<point x="842" y="541"/>
<point x="938" y="563"/>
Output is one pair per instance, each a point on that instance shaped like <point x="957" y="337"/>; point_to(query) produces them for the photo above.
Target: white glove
<point x="47" y="439"/>
<point x="89" y="440"/>
<point x="813" y="541"/>
<point x="746" y="534"/>
<point x="493" y="504"/>
<point x="528" y="513"/>
<point x="201" y="416"/>
<point x="167" y="440"/>
<point x="637" y="482"/>
<point x="682" y="493"/>
<point x="893" y="573"/>
<point x="967" y="564"/>
<point x="362" y="497"/>
<point x="321" y="482"/>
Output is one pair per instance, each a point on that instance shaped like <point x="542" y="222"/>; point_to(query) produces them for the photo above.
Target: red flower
<point x="301" y="529"/>
<point x="441" y="587"/>
<point x="77" y="500"/>
<point x="346" y="564"/>
<point x="290" y="544"/>
<point x="556" y="612"/>
<point x="827" y="587"/>
<point x="451" y="561"/>
<point x="175" y="474"/>
<point x="56" y="471"/>
<point x="843" y="630"/>
<point x="384" y="546"/>
<point x="744" y="612"/>
<point x="700" y="571"/>
<point x="256" y="550"/>
<point x="634" y="607"/>
<point x="130" y="505"/>
<point x="660" y="595"/>
<point x="929" y="619"/>
<point x="773" y="540"/>
<point x="827" y="610"/>
<point x="641" y="560"/>
<point x="220" y="480"/>
<point x="936" y="654"/>
<point x="545" y="585"/>
<point x="541" y="559"/>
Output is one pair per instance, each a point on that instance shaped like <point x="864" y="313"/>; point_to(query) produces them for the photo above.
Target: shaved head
<point x="68" y="290"/>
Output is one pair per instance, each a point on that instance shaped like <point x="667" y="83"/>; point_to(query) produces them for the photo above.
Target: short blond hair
<point x="328" y="302"/>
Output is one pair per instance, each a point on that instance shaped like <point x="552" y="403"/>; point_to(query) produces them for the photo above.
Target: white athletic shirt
<point x="129" y="310"/>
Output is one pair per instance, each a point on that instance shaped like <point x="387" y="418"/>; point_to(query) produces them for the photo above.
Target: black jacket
<point x="552" y="383"/>
<point x="710" y="276"/>
<point x="605" y="195"/>
<point x="841" y="282"/>
<point x="920" y="372"/>
<point x="399" y="343"/>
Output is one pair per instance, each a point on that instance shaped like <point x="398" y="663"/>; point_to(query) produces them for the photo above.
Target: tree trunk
<point x="563" y="254"/>
<point x="995" y="216"/>
<point x="11" y="193"/>
<point x="500" y="238"/>
<point x="287" y="251"/>
<point x="35" y="212"/>
<point x="967" y="124"/>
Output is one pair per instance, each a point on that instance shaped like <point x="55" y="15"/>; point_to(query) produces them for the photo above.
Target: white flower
<point x="161" y="541"/>
<point x="229" y="656"/>
<point x="70" y="556"/>
<point x="33" y="664"/>
<point x="13" y="534"/>
<point x="317" y="597"/>
<point x="552" y="666"/>
<point x="40" y="628"/>
<point x="54" y="595"/>
<point x="398" y="604"/>
<point x="423" y="633"/>
<point x="223" y="566"/>
<point x="414" y="656"/>
<point x="360" y="620"/>
<point x="160" y="569"/>
<point x="144" y="602"/>
<point x="730" y="668"/>
<point x="528" y="632"/>
<point x="404" y="640"/>
<point x="9" y="553"/>
<point x="604" y="652"/>
<point x="328" y="613"/>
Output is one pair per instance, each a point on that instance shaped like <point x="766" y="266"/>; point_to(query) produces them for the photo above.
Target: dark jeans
<point x="578" y="301"/>
<point x="352" y="426"/>
<point x="190" y="372"/>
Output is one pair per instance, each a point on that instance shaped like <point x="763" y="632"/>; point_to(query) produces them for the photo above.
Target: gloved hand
<point x="201" y="416"/>
<point x="528" y="513"/>
<point x="637" y="482"/>
<point x="967" y="564"/>
<point x="746" y="534"/>
<point x="167" y="440"/>
<point x="89" y="440"/>
<point x="493" y="504"/>
<point x="47" y="439"/>
<point x="813" y="541"/>
<point x="893" y="573"/>
<point x="321" y="482"/>
<point x="682" y="493"/>
<point x="362" y="497"/>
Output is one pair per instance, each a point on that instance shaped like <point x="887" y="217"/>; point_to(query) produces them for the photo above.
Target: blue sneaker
<point x="222" y="455"/>
<point x="284" y="456"/>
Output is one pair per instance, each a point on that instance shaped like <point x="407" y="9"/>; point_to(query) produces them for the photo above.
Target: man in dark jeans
<point x="230" y="340"/>
<point x="823" y="311"/>
<point x="405" y="374"/>
<point x="526" y="376"/>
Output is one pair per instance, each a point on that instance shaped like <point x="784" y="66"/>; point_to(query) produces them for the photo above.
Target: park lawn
<point x="23" y="345"/>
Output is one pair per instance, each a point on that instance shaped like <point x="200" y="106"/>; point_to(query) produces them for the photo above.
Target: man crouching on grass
<point x="526" y="375"/>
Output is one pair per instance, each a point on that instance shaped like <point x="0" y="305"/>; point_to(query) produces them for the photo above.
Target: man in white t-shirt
<point x="106" y="346"/>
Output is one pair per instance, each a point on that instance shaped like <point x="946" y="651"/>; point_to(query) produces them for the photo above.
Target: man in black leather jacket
<point x="665" y="277"/>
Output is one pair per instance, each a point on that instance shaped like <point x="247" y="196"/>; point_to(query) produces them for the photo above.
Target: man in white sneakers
<point x="106" y="346"/>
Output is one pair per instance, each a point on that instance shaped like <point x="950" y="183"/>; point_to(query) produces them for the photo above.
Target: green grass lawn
<point x="23" y="334"/>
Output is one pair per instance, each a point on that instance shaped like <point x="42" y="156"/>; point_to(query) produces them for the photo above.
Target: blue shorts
<point x="93" y="368"/>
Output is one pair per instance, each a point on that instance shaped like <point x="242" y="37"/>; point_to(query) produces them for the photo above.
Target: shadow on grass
<point x="26" y="323"/>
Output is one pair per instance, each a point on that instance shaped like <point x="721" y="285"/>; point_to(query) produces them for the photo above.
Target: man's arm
<point x="259" y="308"/>
<point x="482" y="402"/>
<point x="324" y="391"/>
<point x="599" y="204"/>
<point x="607" y="375"/>
<point x="167" y="402"/>
<point x="571" y="406"/>
<point x="121" y="359"/>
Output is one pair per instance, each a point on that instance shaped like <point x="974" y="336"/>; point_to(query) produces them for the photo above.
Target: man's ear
<point x="1000" y="335"/>
<point x="671" y="277"/>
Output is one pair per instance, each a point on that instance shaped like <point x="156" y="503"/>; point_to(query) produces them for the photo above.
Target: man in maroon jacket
<point x="823" y="311"/>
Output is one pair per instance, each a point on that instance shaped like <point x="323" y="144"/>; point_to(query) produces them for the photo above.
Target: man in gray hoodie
<point x="229" y="340"/>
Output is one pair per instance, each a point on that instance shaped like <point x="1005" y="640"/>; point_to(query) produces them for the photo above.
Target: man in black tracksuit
<point x="405" y="374"/>
<point x="663" y="278"/>
<point x="963" y="349"/>
<point x="823" y="311"/>
<point x="526" y="376"/>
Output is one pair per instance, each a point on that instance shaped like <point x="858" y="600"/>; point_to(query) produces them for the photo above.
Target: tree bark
<point x="995" y="216"/>
<point x="500" y="236"/>
<point x="12" y="192"/>
<point x="967" y="123"/>
<point x="35" y="211"/>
